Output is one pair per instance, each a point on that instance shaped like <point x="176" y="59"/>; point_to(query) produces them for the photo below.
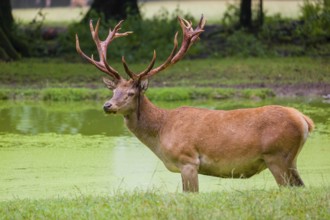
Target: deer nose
<point x="107" y="106"/>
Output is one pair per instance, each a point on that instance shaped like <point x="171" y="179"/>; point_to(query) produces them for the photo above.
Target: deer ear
<point x="110" y="84"/>
<point x="144" y="85"/>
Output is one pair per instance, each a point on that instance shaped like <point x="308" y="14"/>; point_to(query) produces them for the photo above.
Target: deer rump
<point x="231" y="144"/>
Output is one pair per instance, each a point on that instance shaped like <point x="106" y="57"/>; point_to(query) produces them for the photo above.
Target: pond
<point x="52" y="150"/>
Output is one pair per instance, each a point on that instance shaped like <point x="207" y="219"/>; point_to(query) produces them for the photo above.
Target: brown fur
<point x="235" y="144"/>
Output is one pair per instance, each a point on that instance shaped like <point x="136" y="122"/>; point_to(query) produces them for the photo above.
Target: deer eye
<point x="130" y="93"/>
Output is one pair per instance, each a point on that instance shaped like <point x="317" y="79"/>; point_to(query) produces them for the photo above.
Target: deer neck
<point x="146" y="122"/>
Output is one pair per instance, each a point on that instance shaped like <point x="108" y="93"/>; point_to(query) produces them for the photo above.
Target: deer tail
<point x="309" y="122"/>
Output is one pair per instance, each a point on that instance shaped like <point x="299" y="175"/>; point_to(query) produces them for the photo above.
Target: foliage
<point x="308" y="35"/>
<point x="231" y="16"/>
<point x="33" y="33"/>
<point x="315" y="22"/>
<point x="243" y="44"/>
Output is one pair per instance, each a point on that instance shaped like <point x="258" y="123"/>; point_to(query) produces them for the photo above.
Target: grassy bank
<point x="190" y="79"/>
<point x="201" y="72"/>
<point x="156" y="94"/>
<point x="308" y="203"/>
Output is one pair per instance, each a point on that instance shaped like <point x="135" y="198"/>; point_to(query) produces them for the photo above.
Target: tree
<point x="10" y="45"/>
<point x="7" y="50"/>
<point x="245" y="18"/>
<point x="114" y="9"/>
<point x="260" y="14"/>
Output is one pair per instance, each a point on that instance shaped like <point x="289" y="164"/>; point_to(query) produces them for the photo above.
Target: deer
<point x="235" y="143"/>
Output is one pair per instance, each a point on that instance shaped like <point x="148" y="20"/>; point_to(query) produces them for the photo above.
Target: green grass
<point x="214" y="72"/>
<point x="284" y="203"/>
<point x="57" y="80"/>
<point x="155" y="94"/>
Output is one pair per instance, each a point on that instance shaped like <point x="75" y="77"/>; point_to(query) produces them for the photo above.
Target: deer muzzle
<point x="109" y="108"/>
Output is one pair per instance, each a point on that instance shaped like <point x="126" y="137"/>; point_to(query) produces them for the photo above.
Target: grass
<point x="155" y="94"/>
<point x="284" y="203"/>
<point x="58" y="80"/>
<point x="213" y="72"/>
<point x="58" y="16"/>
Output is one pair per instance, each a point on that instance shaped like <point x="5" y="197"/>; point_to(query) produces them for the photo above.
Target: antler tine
<point x="102" y="47"/>
<point x="117" y="28"/>
<point x="166" y="63"/>
<point x="200" y="26"/>
<point x="152" y="63"/>
<point x="189" y="37"/>
<point x="127" y="70"/>
<point x="148" y="69"/>
<point x="90" y="60"/>
<point x="144" y="72"/>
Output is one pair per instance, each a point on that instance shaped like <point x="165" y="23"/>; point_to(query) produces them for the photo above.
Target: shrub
<point x="315" y="22"/>
<point x="244" y="44"/>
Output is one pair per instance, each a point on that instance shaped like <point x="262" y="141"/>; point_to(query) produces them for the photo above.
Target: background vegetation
<point x="277" y="36"/>
<point x="308" y="35"/>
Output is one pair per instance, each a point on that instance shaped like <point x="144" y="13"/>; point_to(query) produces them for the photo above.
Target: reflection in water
<point x="64" y="149"/>
<point x="64" y="118"/>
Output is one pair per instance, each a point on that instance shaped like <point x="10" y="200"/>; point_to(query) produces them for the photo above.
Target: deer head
<point x="127" y="92"/>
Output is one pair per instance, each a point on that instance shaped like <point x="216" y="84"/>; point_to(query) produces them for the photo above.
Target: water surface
<point x="67" y="149"/>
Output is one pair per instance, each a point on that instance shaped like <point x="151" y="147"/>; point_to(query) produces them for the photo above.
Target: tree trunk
<point x="113" y="9"/>
<point x="260" y="14"/>
<point x="6" y="17"/>
<point x="7" y="51"/>
<point x="10" y="45"/>
<point x="245" y="18"/>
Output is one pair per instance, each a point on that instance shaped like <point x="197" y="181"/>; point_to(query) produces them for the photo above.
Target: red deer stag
<point x="234" y="144"/>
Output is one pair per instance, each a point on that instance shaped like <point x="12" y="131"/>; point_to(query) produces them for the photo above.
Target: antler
<point x="189" y="37"/>
<point x="102" y="48"/>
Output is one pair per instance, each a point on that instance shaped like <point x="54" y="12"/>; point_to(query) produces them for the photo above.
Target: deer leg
<point x="295" y="179"/>
<point x="189" y="176"/>
<point x="284" y="171"/>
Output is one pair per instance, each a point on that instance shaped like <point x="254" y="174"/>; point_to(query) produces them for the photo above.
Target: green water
<point x="52" y="150"/>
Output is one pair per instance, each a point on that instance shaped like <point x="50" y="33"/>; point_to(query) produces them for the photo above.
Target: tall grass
<point x="283" y="203"/>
